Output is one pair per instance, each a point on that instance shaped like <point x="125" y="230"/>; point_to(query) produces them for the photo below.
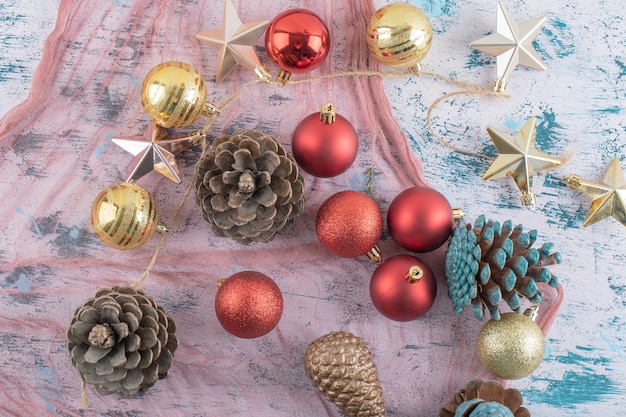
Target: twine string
<point x="468" y="89"/>
<point x="436" y="103"/>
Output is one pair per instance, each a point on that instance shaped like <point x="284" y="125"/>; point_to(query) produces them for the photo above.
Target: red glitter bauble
<point x="324" y="149"/>
<point x="248" y="304"/>
<point x="349" y="224"/>
<point x="297" y="40"/>
<point x="420" y="219"/>
<point x="403" y="288"/>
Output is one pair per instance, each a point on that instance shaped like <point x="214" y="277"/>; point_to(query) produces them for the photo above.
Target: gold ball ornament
<point x="399" y="35"/>
<point x="512" y="347"/>
<point x="124" y="216"/>
<point x="173" y="94"/>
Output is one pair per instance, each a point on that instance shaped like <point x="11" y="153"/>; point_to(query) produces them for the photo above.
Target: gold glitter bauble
<point x="124" y="216"/>
<point x="399" y="35"/>
<point x="173" y="94"/>
<point x="512" y="347"/>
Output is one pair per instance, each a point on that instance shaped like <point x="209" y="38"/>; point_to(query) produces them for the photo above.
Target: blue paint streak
<point x="358" y="181"/>
<point x="514" y="125"/>
<point x="30" y="217"/>
<point x="22" y="283"/>
<point x="622" y="67"/>
<point x="560" y="37"/>
<point x="609" y="110"/>
<point x="582" y="383"/>
<point x="477" y="59"/>
<point x="432" y="8"/>
<point x="614" y="347"/>
<point x="100" y="149"/>
<point x="574" y="389"/>
<point x="548" y="351"/>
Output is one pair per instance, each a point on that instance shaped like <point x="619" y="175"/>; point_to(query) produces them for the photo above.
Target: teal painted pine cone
<point x="485" y="399"/>
<point x="489" y="262"/>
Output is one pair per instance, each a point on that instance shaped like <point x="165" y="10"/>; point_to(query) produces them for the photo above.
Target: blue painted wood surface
<point x="579" y="103"/>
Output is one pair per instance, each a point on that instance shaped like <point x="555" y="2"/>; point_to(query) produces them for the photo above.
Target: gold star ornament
<point x="518" y="158"/>
<point x="608" y="197"/>
<point x="512" y="45"/>
<point x="155" y="151"/>
<point x="235" y="41"/>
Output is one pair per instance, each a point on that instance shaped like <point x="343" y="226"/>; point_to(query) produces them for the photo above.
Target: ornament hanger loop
<point x="529" y="200"/>
<point x="414" y="275"/>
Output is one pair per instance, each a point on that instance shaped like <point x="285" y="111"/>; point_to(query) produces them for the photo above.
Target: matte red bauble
<point x="324" y="144"/>
<point x="349" y="224"/>
<point x="403" y="288"/>
<point x="420" y="219"/>
<point x="248" y="304"/>
<point x="297" y="40"/>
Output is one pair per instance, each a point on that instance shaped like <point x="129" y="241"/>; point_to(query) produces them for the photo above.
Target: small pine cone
<point x="121" y="341"/>
<point x="341" y="367"/>
<point x="485" y="399"/>
<point x="489" y="262"/>
<point x="249" y="188"/>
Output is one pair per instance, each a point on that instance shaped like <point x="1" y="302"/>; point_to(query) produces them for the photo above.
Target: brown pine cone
<point x="482" y="399"/>
<point x="121" y="341"/>
<point x="340" y="366"/>
<point x="249" y="188"/>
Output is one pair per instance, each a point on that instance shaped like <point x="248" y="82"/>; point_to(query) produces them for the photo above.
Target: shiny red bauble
<point x="297" y="40"/>
<point x="420" y="219"/>
<point x="403" y="288"/>
<point x="349" y="224"/>
<point x="248" y="304"/>
<point x="324" y="149"/>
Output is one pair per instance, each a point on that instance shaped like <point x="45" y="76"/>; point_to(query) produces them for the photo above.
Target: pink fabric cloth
<point x="57" y="155"/>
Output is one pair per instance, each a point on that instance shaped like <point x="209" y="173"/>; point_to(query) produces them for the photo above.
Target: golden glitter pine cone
<point x="465" y="401"/>
<point x="249" y="187"/>
<point x="341" y="367"/>
<point x="121" y="341"/>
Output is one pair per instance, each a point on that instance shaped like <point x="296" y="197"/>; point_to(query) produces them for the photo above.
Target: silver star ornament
<point x="235" y="42"/>
<point x="512" y="45"/>
<point x="155" y="151"/>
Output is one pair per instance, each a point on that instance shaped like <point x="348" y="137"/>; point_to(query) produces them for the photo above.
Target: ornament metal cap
<point x="499" y="85"/>
<point x="283" y="77"/>
<point x="415" y="69"/>
<point x="262" y="73"/>
<point x="327" y="114"/>
<point x="532" y="313"/>
<point x="375" y="255"/>
<point x="414" y="274"/>
<point x="458" y="213"/>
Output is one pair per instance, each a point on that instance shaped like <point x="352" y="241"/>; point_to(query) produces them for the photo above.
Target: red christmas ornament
<point x="420" y="219"/>
<point x="297" y="40"/>
<point x="349" y="224"/>
<point x="324" y="144"/>
<point x="248" y="304"/>
<point x="403" y="288"/>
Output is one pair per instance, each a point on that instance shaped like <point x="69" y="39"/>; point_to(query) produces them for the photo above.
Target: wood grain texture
<point x="58" y="155"/>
